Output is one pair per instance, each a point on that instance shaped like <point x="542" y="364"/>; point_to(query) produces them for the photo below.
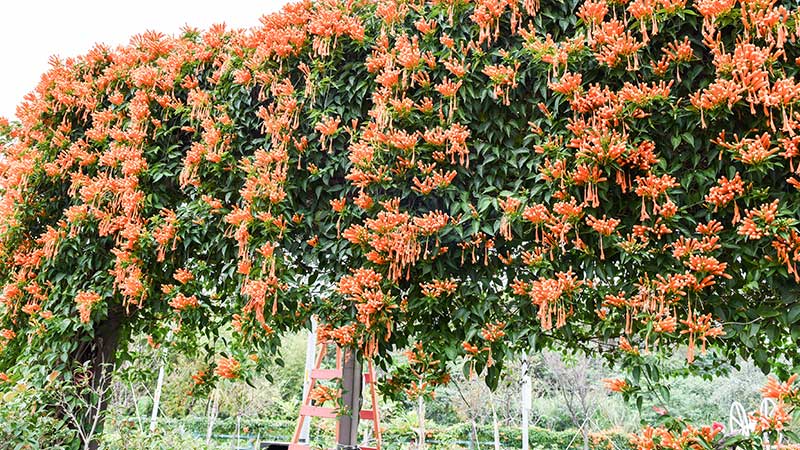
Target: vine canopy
<point x="478" y="176"/>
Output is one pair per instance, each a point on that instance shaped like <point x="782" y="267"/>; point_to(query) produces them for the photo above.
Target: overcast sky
<point x="32" y="30"/>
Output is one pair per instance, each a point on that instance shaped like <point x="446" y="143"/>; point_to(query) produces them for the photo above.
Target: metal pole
<point x="526" y="401"/>
<point x="212" y="417"/>
<point x="159" y="385"/>
<point x="311" y="348"/>
<point x="157" y="397"/>
<point x="238" y="430"/>
<point x="421" y="419"/>
<point x="351" y="401"/>
<point x="495" y="424"/>
<point x="136" y="406"/>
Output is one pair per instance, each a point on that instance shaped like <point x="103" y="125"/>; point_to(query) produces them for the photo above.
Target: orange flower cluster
<point x="86" y="300"/>
<point x="433" y="180"/>
<point x="448" y="88"/>
<point x="683" y="248"/>
<point x="228" y="368"/>
<point x="750" y="151"/>
<point x="470" y="349"/>
<point x="338" y="204"/>
<point x="487" y="16"/>
<point x="393" y="237"/>
<point x="330" y="20"/>
<point x="675" y="52"/>
<point x="180" y="302"/>
<point x="615" y="384"/>
<point x="503" y="78"/>
<point x="6" y="335"/>
<point x="758" y="221"/>
<point x="593" y="12"/>
<point x="570" y="83"/>
<point x="437" y="288"/>
<point x="363" y="288"/>
<point x="787" y="251"/>
<point x="509" y="207"/>
<point x="711" y="9"/>
<point x="661" y="438"/>
<point x="603" y="226"/>
<point x="492" y="332"/>
<point x="782" y="392"/>
<point x="199" y="378"/>
<point x="626" y="346"/>
<point x="550" y="295"/>
<point x="323" y="394"/>
<point x="166" y="233"/>
<point x="700" y="327"/>
<point x="726" y="191"/>
<point x="642" y="94"/>
<point x="613" y="44"/>
<point x="183" y="276"/>
<point x="777" y="420"/>
<point x="653" y="187"/>
<point x="343" y="336"/>
<point x="327" y="127"/>
<point x="257" y="291"/>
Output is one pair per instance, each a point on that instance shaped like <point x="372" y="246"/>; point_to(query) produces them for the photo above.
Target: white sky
<point x="32" y="30"/>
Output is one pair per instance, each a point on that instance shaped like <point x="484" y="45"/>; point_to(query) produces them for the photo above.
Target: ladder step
<point x="329" y="374"/>
<point x="326" y="374"/>
<point x="318" y="411"/>
<point x="366" y="448"/>
<point x="367" y="414"/>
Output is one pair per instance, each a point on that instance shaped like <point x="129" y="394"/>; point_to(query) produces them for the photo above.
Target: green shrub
<point x="134" y="439"/>
<point x="459" y="436"/>
<point x="189" y="431"/>
<point x="25" y="422"/>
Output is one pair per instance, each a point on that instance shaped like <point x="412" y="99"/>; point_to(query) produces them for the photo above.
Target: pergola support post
<point x="351" y="401"/>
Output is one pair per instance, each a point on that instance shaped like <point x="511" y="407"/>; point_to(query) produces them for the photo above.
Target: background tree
<point x="573" y="381"/>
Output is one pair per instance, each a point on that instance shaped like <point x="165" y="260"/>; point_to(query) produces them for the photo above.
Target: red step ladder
<point x="307" y="410"/>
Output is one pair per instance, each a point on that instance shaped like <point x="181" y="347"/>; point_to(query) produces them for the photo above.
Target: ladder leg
<point x="376" y="422"/>
<point x="306" y="401"/>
